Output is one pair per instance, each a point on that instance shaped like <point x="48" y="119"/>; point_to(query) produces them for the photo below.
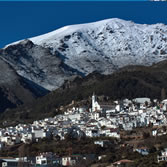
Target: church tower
<point x="93" y="102"/>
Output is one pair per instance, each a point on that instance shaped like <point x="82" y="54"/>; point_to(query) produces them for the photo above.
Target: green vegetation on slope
<point x="129" y="82"/>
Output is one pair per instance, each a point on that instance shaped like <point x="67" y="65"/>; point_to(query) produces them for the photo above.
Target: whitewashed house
<point x="92" y="132"/>
<point x="162" y="156"/>
<point x="28" y="137"/>
<point x="44" y="158"/>
<point x="71" y="160"/>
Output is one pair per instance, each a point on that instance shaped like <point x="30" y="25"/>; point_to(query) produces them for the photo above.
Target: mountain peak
<point x="74" y="28"/>
<point x="103" y="46"/>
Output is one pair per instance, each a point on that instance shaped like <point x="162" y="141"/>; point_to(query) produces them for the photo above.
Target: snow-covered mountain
<point x="102" y="46"/>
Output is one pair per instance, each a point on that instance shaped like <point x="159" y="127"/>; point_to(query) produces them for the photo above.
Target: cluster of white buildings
<point x="129" y="114"/>
<point x="100" y="120"/>
<point x="46" y="159"/>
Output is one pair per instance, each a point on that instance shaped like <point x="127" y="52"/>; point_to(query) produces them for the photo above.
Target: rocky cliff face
<point x="38" y="64"/>
<point x="14" y="89"/>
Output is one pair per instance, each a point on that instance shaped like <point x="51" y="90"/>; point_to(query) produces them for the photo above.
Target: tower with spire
<point x="95" y="105"/>
<point x="93" y="101"/>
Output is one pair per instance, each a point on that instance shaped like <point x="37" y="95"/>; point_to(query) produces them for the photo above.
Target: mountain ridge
<point x="78" y="50"/>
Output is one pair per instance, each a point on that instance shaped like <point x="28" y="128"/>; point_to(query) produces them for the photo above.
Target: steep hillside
<point x="16" y="90"/>
<point x="129" y="82"/>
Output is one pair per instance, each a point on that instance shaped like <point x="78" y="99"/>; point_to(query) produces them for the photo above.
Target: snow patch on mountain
<point x="107" y="45"/>
<point x="103" y="46"/>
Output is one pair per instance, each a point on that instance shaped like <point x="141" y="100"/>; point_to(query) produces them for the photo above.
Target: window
<point x="43" y="162"/>
<point x="4" y="163"/>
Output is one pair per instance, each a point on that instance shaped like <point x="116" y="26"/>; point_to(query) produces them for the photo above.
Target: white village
<point x="107" y="120"/>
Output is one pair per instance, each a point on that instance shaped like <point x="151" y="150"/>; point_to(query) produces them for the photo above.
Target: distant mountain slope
<point x="128" y="82"/>
<point x="103" y="46"/>
<point x="16" y="90"/>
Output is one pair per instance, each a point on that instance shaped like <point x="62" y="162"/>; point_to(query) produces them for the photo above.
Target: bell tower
<point x="93" y="102"/>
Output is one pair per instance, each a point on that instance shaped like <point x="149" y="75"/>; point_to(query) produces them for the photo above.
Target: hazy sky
<point x="20" y="20"/>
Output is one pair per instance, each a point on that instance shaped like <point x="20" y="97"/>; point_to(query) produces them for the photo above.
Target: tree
<point x="163" y="94"/>
<point x="146" y="103"/>
<point x="146" y="135"/>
